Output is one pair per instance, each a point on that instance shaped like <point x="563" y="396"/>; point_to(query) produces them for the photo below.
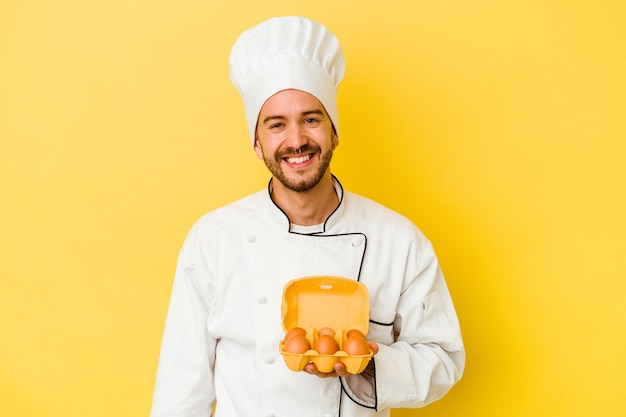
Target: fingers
<point x="338" y="370"/>
<point x="312" y="369"/>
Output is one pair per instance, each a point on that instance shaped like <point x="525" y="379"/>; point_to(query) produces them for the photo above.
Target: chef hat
<point x="286" y="53"/>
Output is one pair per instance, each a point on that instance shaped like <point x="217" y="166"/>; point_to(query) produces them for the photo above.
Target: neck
<point x="310" y="207"/>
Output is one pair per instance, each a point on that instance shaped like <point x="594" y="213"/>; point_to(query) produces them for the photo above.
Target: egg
<point x="356" y="346"/>
<point x="355" y="333"/>
<point x="326" y="345"/>
<point x="297" y="343"/>
<point x="326" y="331"/>
<point x="295" y="331"/>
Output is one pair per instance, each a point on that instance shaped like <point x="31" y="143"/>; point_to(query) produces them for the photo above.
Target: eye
<point x="276" y="125"/>
<point x="311" y="121"/>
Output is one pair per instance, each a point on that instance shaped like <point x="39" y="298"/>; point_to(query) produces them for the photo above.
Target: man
<point x="220" y="346"/>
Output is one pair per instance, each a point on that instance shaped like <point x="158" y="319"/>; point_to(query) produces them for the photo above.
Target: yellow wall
<point x="498" y="127"/>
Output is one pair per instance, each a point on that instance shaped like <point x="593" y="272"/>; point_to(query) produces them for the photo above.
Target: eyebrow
<point x="304" y="113"/>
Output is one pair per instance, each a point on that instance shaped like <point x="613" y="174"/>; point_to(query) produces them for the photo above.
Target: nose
<point x="295" y="137"/>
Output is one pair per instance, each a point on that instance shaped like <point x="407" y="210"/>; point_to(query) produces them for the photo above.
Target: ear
<point x="257" y="148"/>
<point x="335" y="139"/>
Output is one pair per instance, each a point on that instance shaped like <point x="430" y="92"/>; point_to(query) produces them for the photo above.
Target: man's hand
<point x="340" y="368"/>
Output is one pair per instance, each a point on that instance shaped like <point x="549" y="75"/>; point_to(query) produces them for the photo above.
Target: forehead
<point x="287" y="102"/>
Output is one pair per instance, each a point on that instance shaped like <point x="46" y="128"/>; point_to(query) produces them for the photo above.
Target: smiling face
<point x="295" y="138"/>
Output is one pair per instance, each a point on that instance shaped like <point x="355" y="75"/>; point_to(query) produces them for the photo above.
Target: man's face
<point x="290" y="121"/>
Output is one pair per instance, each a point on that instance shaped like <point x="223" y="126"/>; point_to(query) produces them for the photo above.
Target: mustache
<point x="297" y="151"/>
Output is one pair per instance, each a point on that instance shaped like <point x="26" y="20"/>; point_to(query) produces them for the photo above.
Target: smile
<point x="298" y="159"/>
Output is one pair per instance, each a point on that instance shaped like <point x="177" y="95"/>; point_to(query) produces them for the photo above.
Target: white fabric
<point x="224" y="322"/>
<point x="283" y="53"/>
<point x="307" y="230"/>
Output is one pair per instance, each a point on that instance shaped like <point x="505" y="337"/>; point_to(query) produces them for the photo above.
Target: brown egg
<point x="356" y="346"/>
<point x="326" y="331"/>
<point x="295" y="331"/>
<point x="326" y="345"/>
<point x="355" y="333"/>
<point x="297" y="343"/>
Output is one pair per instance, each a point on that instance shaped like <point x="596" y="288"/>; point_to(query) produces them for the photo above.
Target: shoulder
<point x="236" y="214"/>
<point x="388" y="231"/>
<point x="379" y="220"/>
<point x="373" y="211"/>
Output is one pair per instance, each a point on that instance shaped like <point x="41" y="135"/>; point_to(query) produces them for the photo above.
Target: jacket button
<point x="251" y="238"/>
<point x="268" y="360"/>
<point x="262" y="299"/>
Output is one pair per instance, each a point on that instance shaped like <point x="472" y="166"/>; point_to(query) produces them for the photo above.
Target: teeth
<point x="299" y="159"/>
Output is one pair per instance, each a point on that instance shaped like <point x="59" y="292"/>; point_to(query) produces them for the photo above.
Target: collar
<point x="280" y="217"/>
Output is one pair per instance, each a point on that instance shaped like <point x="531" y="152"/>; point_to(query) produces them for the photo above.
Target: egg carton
<point x="315" y="302"/>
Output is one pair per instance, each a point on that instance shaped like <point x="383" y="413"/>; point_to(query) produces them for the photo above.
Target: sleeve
<point x="427" y="356"/>
<point x="184" y="383"/>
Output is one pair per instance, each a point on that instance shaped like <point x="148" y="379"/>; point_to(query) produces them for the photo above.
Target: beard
<point x="301" y="183"/>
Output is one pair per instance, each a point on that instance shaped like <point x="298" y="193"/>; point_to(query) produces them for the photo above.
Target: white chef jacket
<point x="223" y="326"/>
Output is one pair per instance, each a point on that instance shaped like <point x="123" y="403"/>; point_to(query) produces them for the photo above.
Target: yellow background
<point x="498" y="127"/>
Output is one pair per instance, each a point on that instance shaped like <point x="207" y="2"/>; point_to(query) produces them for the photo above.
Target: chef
<point x="220" y="350"/>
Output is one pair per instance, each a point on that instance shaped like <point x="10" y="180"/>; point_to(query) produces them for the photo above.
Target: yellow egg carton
<point x="315" y="302"/>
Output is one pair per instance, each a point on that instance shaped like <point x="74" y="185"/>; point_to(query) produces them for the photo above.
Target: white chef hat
<point x="286" y="53"/>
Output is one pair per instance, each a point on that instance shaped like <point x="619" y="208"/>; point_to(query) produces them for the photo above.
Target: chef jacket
<point x="220" y="348"/>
